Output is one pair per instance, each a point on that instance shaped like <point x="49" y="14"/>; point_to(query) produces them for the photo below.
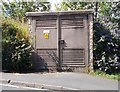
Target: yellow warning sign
<point x="46" y="35"/>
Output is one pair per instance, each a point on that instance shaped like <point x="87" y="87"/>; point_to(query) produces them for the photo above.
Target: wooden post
<point x="91" y="42"/>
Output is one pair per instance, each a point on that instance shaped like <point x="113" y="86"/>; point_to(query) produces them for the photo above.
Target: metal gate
<point x="61" y="40"/>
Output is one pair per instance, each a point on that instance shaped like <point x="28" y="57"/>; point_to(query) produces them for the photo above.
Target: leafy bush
<point x="16" y="47"/>
<point x="106" y="50"/>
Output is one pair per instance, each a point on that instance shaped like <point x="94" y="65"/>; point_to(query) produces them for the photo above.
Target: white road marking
<point x="22" y="87"/>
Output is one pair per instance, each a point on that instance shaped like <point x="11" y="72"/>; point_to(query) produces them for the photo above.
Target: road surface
<point x="78" y="81"/>
<point x="13" y="87"/>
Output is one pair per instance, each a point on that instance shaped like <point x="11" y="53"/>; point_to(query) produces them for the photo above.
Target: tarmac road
<point x="13" y="87"/>
<point x="70" y="80"/>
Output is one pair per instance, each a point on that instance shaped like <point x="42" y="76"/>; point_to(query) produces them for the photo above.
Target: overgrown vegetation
<point x="106" y="50"/>
<point x="16" y="47"/>
<point x="107" y="39"/>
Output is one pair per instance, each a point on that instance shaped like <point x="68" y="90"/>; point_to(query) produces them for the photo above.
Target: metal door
<point x="72" y="41"/>
<point x="46" y="42"/>
<point x="60" y="41"/>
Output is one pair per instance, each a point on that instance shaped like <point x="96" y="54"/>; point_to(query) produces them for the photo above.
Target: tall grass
<point x="21" y="28"/>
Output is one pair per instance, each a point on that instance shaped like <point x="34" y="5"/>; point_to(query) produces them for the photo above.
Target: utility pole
<point x="96" y="10"/>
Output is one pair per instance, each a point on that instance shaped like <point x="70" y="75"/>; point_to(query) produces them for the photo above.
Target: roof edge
<point x="88" y="11"/>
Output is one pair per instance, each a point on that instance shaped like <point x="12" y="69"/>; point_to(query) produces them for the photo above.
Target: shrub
<point x="106" y="49"/>
<point x="16" y="47"/>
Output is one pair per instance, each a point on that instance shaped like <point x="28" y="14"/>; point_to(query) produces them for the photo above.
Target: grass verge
<point x="115" y="76"/>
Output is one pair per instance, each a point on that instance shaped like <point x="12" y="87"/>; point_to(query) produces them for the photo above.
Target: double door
<point x="61" y="41"/>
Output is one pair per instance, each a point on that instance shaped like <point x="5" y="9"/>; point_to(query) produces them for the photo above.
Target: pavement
<point x="59" y="81"/>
